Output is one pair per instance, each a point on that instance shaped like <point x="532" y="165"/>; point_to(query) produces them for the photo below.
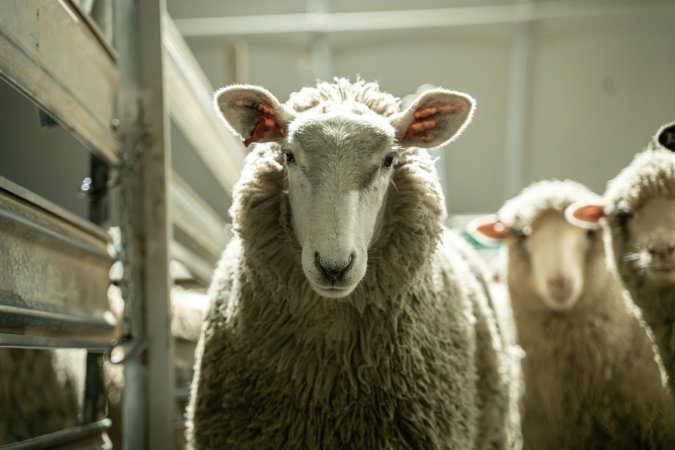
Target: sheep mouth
<point x="661" y="273"/>
<point x="333" y="291"/>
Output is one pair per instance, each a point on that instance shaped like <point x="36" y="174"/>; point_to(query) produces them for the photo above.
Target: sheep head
<point x="547" y="256"/>
<point x="639" y="209"/>
<point x="339" y="159"/>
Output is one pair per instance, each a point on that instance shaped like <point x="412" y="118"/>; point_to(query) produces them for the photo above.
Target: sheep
<point x="342" y="315"/>
<point x="40" y="392"/>
<point x="639" y="208"/>
<point x="592" y="376"/>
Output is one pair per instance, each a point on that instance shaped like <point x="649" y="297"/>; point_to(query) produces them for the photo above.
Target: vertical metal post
<point x="148" y="400"/>
<point x="517" y="101"/>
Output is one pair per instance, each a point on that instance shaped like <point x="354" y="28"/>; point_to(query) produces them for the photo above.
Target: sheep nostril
<point x="335" y="272"/>
<point x="560" y="288"/>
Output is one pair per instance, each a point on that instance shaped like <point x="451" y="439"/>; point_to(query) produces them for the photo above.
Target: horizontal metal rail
<point x="53" y="275"/>
<point x="70" y="322"/>
<point x="62" y="438"/>
<point x="200" y="234"/>
<point x="53" y="342"/>
<point x="79" y="91"/>
<point x="191" y="107"/>
<point x="415" y="19"/>
<point x="13" y="190"/>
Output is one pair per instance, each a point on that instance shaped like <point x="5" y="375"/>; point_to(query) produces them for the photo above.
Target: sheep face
<point x="555" y="255"/>
<point x="339" y="166"/>
<point x="650" y="241"/>
<point x="339" y="159"/>
<point x="550" y="257"/>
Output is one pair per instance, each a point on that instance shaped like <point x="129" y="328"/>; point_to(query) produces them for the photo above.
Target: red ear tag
<point x="267" y="124"/>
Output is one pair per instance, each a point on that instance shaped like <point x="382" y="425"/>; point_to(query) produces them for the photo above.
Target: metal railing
<point x="54" y="279"/>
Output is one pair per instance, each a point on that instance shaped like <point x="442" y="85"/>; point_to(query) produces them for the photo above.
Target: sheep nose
<point x="333" y="272"/>
<point x="662" y="250"/>
<point x="560" y="288"/>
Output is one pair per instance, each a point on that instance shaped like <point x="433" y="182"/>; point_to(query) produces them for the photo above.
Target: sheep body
<point x="591" y="373"/>
<point x="400" y="363"/>
<point x="650" y="175"/>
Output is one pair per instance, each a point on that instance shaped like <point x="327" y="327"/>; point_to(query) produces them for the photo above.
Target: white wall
<point x="597" y="88"/>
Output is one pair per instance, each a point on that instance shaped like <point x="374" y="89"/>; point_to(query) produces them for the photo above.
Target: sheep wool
<point x="650" y="175"/>
<point x="39" y="392"/>
<point x="591" y="373"/>
<point x="410" y="359"/>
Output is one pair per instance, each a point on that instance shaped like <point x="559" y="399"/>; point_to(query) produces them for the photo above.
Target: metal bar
<point x="61" y="438"/>
<point x="86" y="14"/>
<point x="420" y="19"/>
<point x="7" y="217"/>
<point x="53" y="272"/>
<point x="197" y="220"/>
<point x="148" y="399"/>
<point x="72" y="322"/>
<point x="13" y="190"/>
<point x="50" y="342"/>
<point x="34" y="37"/>
<point x="191" y="107"/>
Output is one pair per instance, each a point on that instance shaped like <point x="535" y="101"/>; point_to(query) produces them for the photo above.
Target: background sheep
<point x="342" y="316"/>
<point x="187" y="314"/>
<point x="40" y="392"/>
<point x="639" y="206"/>
<point x="591" y="375"/>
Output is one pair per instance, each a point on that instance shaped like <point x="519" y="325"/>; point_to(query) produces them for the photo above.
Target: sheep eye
<point x="519" y="234"/>
<point x="290" y="157"/>
<point x="388" y="161"/>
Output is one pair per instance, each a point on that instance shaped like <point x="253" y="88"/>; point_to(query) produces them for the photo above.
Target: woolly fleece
<point x="651" y="174"/>
<point x="38" y="395"/>
<point x="592" y="379"/>
<point x="410" y="359"/>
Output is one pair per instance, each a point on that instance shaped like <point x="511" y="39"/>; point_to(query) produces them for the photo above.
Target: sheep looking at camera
<point x="592" y="377"/>
<point x="639" y="207"/>
<point x="341" y="315"/>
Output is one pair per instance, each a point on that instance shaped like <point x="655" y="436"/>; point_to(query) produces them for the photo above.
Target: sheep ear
<point x="253" y="113"/>
<point x="585" y="213"/>
<point x="666" y="136"/>
<point x="488" y="229"/>
<point x="434" y="119"/>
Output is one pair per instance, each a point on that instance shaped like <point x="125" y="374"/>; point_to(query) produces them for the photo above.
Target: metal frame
<point x="115" y="104"/>
<point x="191" y="107"/>
<point x="81" y="97"/>
<point x="414" y="19"/>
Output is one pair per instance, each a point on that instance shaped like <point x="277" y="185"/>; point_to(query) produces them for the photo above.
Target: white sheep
<point x="342" y="315"/>
<point x="592" y="376"/>
<point x="639" y="207"/>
